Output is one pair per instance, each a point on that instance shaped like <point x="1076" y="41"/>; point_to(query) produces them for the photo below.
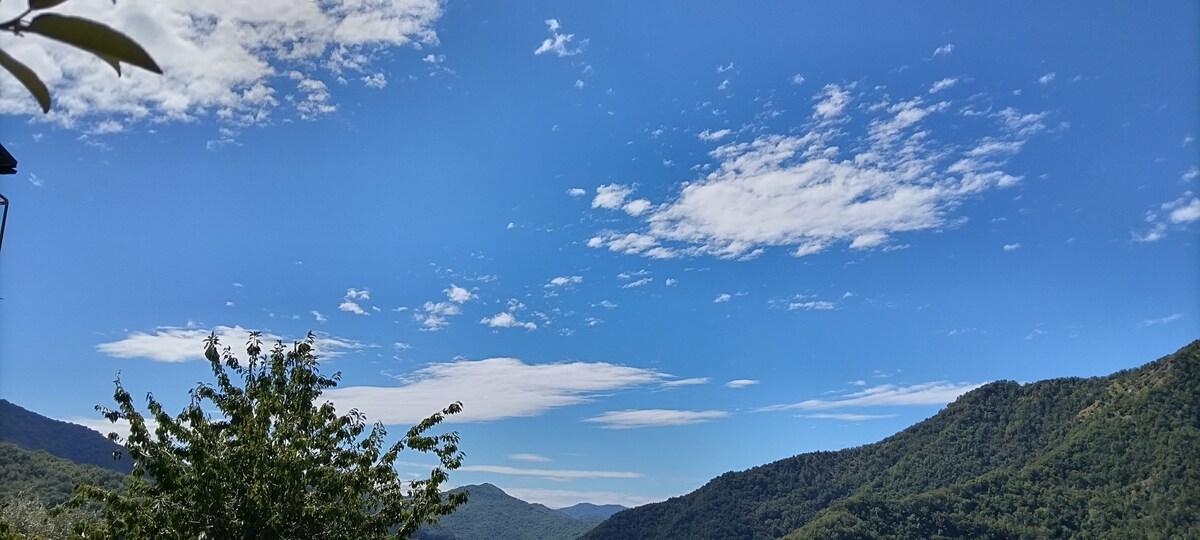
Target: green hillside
<point x="46" y="478"/>
<point x="589" y="511"/>
<point x="490" y="513"/>
<point x="1099" y="457"/>
<point x="74" y="442"/>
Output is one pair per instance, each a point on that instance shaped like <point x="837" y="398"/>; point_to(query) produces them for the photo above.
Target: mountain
<point x="491" y="513"/>
<point x="591" y="512"/>
<point x="74" y="442"/>
<point x="1110" y="457"/>
<point x="47" y="478"/>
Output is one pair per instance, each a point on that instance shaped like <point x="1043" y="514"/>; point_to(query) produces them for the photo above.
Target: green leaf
<point x="112" y="61"/>
<point x="27" y="78"/>
<point x="93" y="37"/>
<point x="35" y="5"/>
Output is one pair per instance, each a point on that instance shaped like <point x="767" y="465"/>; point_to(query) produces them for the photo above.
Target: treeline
<point x="1107" y="456"/>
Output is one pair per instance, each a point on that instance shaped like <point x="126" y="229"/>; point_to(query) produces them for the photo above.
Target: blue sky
<point x="643" y="245"/>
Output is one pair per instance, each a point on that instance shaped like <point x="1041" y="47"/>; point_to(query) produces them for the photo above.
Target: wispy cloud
<point x="181" y="344"/>
<point x="723" y="297"/>
<point x="1175" y="214"/>
<point x="711" y="135"/>
<point x="930" y="393"/>
<point x="642" y="418"/>
<point x="740" y="383"/>
<point x="1161" y="320"/>
<point x="825" y="185"/>
<point x="561" y="281"/>
<point x="490" y="389"/>
<point x="529" y="458"/>
<point x="558" y="43"/>
<point x="434" y="316"/>
<point x="944" y="50"/>
<point x="942" y="85"/>
<point x="686" y="382"/>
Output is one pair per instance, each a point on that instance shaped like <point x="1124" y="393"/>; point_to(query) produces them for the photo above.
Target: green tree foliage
<point x="273" y="463"/>
<point x="109" y="45"/>
<point x="1103" y="457"/>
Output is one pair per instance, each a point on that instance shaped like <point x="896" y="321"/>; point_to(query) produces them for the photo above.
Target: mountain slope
<point x="1098" y="456"/>
<point x="491" y="513"/>
<point x="47" y="478"/>
<point x="74" y="442"/>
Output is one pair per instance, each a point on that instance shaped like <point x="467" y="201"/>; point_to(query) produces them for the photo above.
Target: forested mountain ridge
<point x="48" y="479"/>
<point x="69" y="441"/>
<point x="491" y="513"/>
<point x="1103" y="456"/>
<point x="589" y="511"/>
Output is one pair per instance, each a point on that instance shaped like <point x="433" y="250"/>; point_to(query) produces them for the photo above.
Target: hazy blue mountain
<point x="74" y="442"/>
<point x="591" y="512"/>
<point x="490" y="513"/>
<point x="1101" y="457"/>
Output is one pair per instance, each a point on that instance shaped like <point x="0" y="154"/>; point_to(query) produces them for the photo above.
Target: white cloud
<point x="1179" y="213"/>
<point x="562" y="498"/>
<point x="434" y="316"/>
<point x="930" y="393"/>
<point x="797" y="79"/>
<point x="724" y="68"/>
<point x="352" y="307"/>
<point x="529" y="458"/>
<point x="1190" y="174"/>
<point x="1182" y="212"/>
<point x="550" y="474"/>
<point x="559" y="43"/>
<point x="942" y="85"/>
<point x="710" y="135"/>
<point x="849" y="417"/>
<point x="686" y="382"/>
<point x="563" y="280"/>
<point x="349" y="303"/>
<point x="835" y="99"/>
<point x="401" y="346"/>
<point x="944" y="50"/>
<point x="811" y="190"/>
<point x="491" y="389"/>
<point x="606" y="304"/>
<point x="740" y="383"/>
<point x="181" y="344"/>
<point x="1012" y="247"/>
<point x="1161" y="320"/>
<point x="1045" y="79"/>
<point x="636" y="207"/>
<point x="506" y="319"/>
<point x="36" y="180"/>
<point x="317" y="315"/>
<point x="637" y="283"/>
<point x="641" y="418"/>
<point x="225" y="58"/>
<point x="611" y="196"/>
<point x="458" y="294"/>
<point x="375" y="80"/>
<point x="670" y="282"/>
<point x="576" y="192"/>
<point x="819" y="305"/>
<point x="723" y="297"/>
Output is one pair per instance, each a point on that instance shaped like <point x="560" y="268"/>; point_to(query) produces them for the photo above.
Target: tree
<point x="272" y="463"/>
<point x="107" y="44"/>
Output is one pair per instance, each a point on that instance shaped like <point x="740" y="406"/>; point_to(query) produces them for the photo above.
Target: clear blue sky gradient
<point x="457" y="173"/>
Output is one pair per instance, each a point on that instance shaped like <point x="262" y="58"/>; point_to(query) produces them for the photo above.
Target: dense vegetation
<point x="492" y="513"/>
<point x="258" y="454"/>
<point x="1099" y="457"/>
<point x="74" y="442"/>
<point x="50" y="480"/>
